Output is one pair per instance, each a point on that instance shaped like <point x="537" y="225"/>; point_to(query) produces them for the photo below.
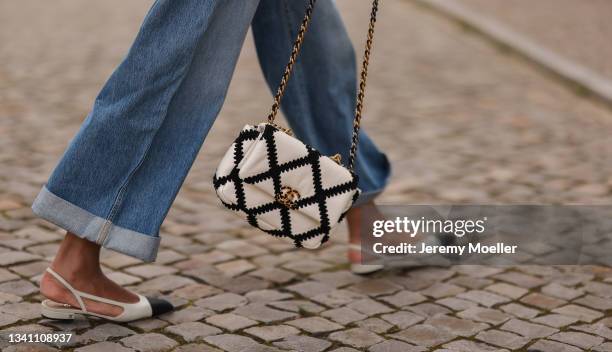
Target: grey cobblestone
<point x="67" y="325"/>
<point x="404" y="298"/>
<point x="165" y="283"/>
<point x="232" y="343"/>
<point x="150" y="342"/>
<point x="424" y="335"/>
<point x="315" y="325"/>
<point x="520" y="310"/>
<point x="307" y="266"/>
<point x="491" y="316"/>
<point x="470" y="282"/>
<point x="599" y="289"/>
<point x="344" y="349"/>
<point x="470" y="346"/>
<point x="231" y="322"/>
<point x="193" y="331"/>
<point x="484" y="298"/>
<point x="376" y="325"/>
<point x="507" y="290"/>
<point x="555" y="320"/>
<point x="310" y="288"/>
<point x="457" y="303"/>
<point x="402" y="319"/>
<point x="375" y="287"/>
<point x="303" y="343"/>
<point x="597" y="329"/>
<point x="272" y="332"/>
<point x="440" y="290"/>
<point x="579" y="339"/>
<point x="104" y="332"/>
<point x="276" y="275"/>
<point x="7" y="319"/>
<point x="222" y="301"/>
<point x="30" y="269"/>
<point x="606" y="347"/>
<point x="456" y="326"/>
<point x="18" y="287"/>
<point x="526" y="329"/>
<point x="196" y="291"/>
<point x="148" y="325"/>
<point x="104" y="347"/>
<point x="267" y="296"/>
<point x="6" y="275"/>
<point x="595" y="302"/>
<point x="343" y="315"/>
<point x="428" y="309"/>
<point x="188" y="314"/>
<point x="297" y="306"/>
<point x="235" y="267"/>
<point x="24" y="311"/>
<point x="16" y="257"/>
<point x="337" y="278"/>
<point x="520" y="279"/>
<point x="552" y="346"/>
<point x="562" y="292"/>
<point x="261" y="312"/>
<point x="369" y="307"/>
<point x="337" y="298"/>
<point x="393" y="346"/>
<point x="357" y="337"/>
<point x="196" y="347"/>
<point x="582" y="313"/>
<point x="503" y="339"/>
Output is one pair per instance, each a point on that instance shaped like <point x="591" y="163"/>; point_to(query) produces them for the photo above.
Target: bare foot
<point x="77" y="262"/>
<point x="355" y="218"/>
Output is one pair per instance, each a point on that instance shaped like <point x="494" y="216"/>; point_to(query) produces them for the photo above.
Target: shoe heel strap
<point x="354" y="246"/>
<point x="69" y="287"/>
<point x="80" y="295"/>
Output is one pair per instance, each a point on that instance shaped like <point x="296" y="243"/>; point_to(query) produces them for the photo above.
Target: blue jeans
<point x="121" y="172"/>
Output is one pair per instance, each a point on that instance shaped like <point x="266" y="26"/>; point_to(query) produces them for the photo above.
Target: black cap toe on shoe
<point x="159" y="306"/>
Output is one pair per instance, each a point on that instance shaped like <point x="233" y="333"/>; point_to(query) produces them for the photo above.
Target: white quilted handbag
<point x="283" y="186"/>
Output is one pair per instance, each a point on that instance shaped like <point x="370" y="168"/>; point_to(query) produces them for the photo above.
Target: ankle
<point x="74" y="272"/>
<point x="354" y="220"/>
<point x="77" y="258"/>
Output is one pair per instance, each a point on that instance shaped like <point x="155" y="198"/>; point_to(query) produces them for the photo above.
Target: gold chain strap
<point x="362" y="82"/>
<point x="362" y="86"/>
<point x="294" y="53"/>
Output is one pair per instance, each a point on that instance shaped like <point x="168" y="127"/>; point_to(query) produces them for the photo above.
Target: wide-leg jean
<point x="121" y="172"/>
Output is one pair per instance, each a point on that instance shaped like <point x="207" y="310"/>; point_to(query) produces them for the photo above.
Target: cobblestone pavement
<point x="462" y="122"/>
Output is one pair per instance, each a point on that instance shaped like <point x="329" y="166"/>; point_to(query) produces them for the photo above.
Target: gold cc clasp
<point x="337" y="158"/>
<point x="287" y="197"/>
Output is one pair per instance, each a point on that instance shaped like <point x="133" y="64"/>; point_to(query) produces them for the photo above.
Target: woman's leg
<point x="319" y="102"/>
<point x="115" y="183"/>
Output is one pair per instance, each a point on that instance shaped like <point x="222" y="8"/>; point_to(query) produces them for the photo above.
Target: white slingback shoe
<point x="383" y="261"/>
<point x="364" y="269"/>
<point x="146" y="307"/>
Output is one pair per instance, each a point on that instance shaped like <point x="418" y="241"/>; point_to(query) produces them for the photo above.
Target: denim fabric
<point x="121" y="172"/>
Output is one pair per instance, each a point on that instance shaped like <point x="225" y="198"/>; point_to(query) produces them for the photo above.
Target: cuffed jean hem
<point x="365" y="197"/>
<point x="94" y="228"/>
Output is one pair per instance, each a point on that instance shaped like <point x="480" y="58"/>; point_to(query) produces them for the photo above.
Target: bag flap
<point x="299" y="166"/>
<point x="276" y="152"/>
